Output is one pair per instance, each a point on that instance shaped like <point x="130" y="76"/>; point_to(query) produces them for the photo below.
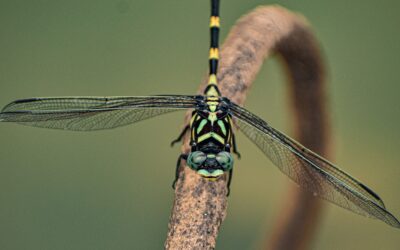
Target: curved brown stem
<point x="200" y="205"/>
<point x="299" y="217"/>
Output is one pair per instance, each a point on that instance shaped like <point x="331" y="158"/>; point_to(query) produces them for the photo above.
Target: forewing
<point x="311" y="171"/>
<point x="91" y="113"/>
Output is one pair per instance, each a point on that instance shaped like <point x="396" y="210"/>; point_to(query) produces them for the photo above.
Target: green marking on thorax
<point x="213" y="135"/>
<point x="201" y="126"/>
<point x="222" y="126"/>
<point x="204" y="137"/>
<point x="212" y="107"/>
<point x="218" y="138"/>
<point x="212" y="117"/>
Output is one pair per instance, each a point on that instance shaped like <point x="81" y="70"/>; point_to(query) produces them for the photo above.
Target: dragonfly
<point x="212" y="138"/>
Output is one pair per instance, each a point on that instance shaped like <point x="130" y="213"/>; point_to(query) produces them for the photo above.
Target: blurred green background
<point x="111" y="189"/>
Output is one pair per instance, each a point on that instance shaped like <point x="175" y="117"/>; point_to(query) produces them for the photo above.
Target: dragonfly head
<point x="210" y="165"/>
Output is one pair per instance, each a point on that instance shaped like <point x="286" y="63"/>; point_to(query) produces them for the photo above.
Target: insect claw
<point x="173" y="142"/>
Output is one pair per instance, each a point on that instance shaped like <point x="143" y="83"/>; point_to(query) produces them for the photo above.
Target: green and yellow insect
<point x="212" y="140"/>
<point x="211" y="135"/>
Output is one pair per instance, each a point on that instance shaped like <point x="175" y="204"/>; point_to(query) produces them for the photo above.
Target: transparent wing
<point x="311" y="171"/>
<point x="91" y="113"/>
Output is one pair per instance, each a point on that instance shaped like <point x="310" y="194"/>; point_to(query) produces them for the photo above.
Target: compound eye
<point x="225" y="160"/>
<point x="196" y="159"/>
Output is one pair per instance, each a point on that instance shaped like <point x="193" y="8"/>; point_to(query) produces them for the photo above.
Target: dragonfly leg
<point x="178" y="164"/>
<point x="235" y="151"/>
<point x="180" y="135"/>
<point x="229" y="181"/>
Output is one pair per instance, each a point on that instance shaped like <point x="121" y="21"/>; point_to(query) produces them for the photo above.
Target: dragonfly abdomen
<point x="212" y="88"/>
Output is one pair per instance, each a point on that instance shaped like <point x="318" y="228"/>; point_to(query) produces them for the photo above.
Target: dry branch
<point x="200" y="205"/>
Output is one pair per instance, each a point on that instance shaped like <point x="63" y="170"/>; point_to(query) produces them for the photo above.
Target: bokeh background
<point x="112" y="189"/>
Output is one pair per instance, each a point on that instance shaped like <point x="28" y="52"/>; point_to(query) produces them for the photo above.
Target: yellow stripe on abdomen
<point x="214" y="53"/>
<point x="214" y="21"/>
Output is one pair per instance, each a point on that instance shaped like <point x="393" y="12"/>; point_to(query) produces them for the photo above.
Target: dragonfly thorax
<point x="210" y="123"/>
